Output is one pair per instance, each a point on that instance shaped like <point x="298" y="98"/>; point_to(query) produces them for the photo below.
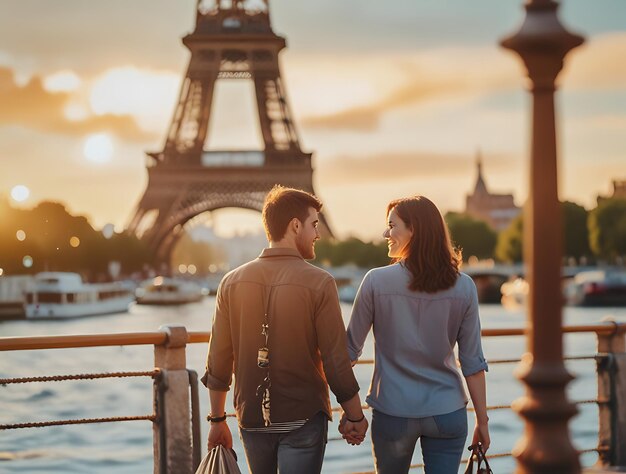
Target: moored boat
<point x="598" y="288"/>
<point x="168" y="291"/>
<point x="12" y="290"/>
<point x="488" y="282"/>
<point x="57" y="295"/>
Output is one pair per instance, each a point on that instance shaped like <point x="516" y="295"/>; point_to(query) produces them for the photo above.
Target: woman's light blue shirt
<point x="415" y="371"/>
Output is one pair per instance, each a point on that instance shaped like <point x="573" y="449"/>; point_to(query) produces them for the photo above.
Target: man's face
<point x="308" y="235"/>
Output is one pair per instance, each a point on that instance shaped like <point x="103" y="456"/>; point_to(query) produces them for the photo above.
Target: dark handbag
<point x="478" y="458"/>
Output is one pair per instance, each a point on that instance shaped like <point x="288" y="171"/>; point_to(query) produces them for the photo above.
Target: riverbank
<point x="127" y="447"/>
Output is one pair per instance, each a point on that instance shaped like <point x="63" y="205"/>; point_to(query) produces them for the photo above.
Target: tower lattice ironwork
<point x="232" y="40"/>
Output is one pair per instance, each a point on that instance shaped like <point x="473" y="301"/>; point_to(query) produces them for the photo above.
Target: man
<point x="278" y="325"/>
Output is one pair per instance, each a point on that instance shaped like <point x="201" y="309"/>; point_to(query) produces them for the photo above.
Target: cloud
<point x="366" y="118"/>
<point x="598" y="64"/>
<point x="406" y="80"/>
<point x="397" y="166"/>
<point x="460" y="73"/>
<point x="32" y="106"/>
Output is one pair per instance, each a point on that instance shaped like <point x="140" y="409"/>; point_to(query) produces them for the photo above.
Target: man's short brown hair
<point x="282" y="205"/>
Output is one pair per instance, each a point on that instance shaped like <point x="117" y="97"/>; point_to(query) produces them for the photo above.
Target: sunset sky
<point x="393" y="98"/>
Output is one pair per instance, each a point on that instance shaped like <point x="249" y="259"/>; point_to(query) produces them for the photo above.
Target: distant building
<point x="497" y="210"/>
<point x="619" y="191"/>
<point x="232" y="251"/>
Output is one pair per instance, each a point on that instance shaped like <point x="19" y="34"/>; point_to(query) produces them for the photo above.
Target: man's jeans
<point x="442" y="439"/>
<point x="300" y="451"/>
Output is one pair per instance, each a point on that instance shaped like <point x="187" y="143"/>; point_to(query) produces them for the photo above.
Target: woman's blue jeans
<point x="442" y="438"/>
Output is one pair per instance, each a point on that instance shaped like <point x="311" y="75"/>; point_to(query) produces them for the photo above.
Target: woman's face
<point x="398" y="236"/>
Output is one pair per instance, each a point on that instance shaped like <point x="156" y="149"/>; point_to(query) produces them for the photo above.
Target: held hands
<point x="353" y="432"/>
<point x="219" y="434"/>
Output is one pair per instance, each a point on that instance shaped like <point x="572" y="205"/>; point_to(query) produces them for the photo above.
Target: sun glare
<point x="20" y="193"/>
<point x="62" y="81"/>
<point x="98" y="148"/>
<point x="146" y="95"/>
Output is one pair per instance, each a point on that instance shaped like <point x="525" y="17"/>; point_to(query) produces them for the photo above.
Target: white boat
<point x="57" y="295"/>
<point x="12" y="290"/>
<point x="168" y="291"/>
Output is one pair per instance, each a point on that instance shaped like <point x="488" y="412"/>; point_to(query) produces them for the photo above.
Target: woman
<point x="421" y="306"/>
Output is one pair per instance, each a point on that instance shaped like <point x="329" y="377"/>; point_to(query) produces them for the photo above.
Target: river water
<point x="127" y="447"/>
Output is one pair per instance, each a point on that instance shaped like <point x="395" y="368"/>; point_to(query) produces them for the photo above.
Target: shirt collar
<point x="279" y="252"/>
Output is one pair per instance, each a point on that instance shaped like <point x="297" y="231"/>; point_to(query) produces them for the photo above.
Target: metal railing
<point x="160" y="338"/>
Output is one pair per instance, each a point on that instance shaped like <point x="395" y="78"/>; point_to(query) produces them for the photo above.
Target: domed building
<point x="497" y="210"/>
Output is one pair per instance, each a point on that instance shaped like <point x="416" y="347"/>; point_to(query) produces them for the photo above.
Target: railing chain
<point x="82" y="421"/>
<point x="508" y="361"/>
<point x="489" y="456"/>
<point x="59" y="378"/>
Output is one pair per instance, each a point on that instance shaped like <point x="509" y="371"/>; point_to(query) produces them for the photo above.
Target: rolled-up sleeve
<point x="331" y="340"/>
<point x="219" y="365"/>
<point x="362" y="318"/>
<point x="470" y="347"/>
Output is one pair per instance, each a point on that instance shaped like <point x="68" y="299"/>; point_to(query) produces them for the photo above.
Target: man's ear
<point x="293" y="227"/>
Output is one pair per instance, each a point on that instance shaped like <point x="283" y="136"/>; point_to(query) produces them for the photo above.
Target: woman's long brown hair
<point x="429" y="256"/>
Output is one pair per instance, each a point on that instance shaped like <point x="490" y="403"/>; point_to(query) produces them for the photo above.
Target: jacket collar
<point x="280" y="252"/>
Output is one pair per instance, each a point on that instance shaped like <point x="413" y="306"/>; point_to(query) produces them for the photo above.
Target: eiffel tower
<point x="231" y="41"/>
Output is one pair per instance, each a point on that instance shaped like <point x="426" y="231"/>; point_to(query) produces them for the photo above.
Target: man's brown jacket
<point x="307" y="340"/>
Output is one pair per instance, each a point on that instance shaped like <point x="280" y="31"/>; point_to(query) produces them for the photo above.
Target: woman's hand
<point x="481" y="433"/>
<point x="353" y="433"/>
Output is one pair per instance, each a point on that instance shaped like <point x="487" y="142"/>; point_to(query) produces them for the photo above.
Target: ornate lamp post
<point x="542" y="43"/>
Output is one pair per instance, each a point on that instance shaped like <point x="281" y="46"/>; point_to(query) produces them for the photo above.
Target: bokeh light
<point x="1" y="272"/>
<point x="98" y="148"/>
<point x="192" y="269"/>
<point x="108" y="230"/>
<point x="74" y="241"/>
<point x="27" y="261"/>
<point x="20" y="193"/>
<point x="21" y="235"/>
<point x="182" y="268"/>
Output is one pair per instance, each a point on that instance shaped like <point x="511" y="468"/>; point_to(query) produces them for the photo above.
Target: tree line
<point x="49" y="238"/>
<point x="596" y="235"/>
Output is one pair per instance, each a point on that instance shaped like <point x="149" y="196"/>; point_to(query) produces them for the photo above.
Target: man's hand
<point x="219" y="434"/>
<point x="353" y="433"/>
<point x="481" y="433"/>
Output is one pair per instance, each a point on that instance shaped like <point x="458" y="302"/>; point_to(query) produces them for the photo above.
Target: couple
<point x="278" y="328"/>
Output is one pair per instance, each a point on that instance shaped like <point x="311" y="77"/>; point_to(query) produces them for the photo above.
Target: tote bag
<point x="219" y="460"/>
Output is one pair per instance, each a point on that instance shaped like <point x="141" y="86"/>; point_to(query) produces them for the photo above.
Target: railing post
<point x="545" y="448"/>
<point x="173" y="453"/>
<point x="612" y="396"/>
